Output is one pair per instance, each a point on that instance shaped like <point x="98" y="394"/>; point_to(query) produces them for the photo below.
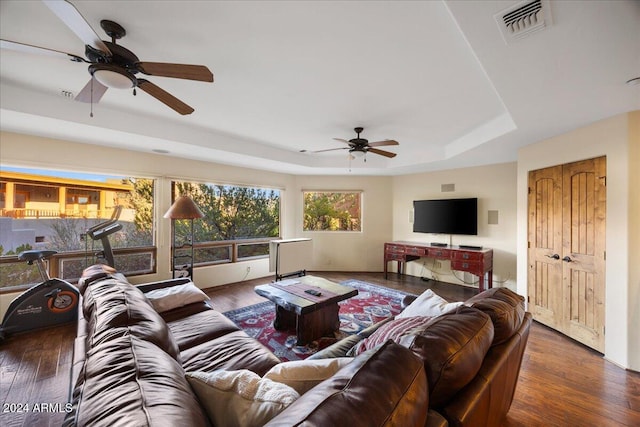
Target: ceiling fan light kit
<point x="112" y="65"/>
<point x="113" y="76"/>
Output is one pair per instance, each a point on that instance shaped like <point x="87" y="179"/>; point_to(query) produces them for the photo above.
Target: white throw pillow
<point x="240" y="398"/>
<point x="428" y="304"/>
<point x="165" y="299"/>
<point x="303" y="375"/>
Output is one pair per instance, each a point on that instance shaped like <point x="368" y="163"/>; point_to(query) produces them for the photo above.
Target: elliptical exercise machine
<point x="102" y="232"/>
<point x="52" y="302"/>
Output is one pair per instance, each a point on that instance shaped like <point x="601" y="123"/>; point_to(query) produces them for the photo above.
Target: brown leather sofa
<point x="472" y="358"/>
<point x="130" y="364"/>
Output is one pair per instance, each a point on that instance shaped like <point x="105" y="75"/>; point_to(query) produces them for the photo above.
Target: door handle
<point x="554" y="256"/>
<point x="567" y="259"/>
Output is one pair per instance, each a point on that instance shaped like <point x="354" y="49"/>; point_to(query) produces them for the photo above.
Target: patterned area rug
<point x="372" y="304"/>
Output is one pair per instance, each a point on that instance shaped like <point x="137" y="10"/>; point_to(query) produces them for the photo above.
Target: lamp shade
<point x="184" y="208"/>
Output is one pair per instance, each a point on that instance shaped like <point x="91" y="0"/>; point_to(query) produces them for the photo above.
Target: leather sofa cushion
<point x="232" y="351"/>
<point x="506" y="309"/>
<point x="130" y="381"/>
<point x="452" y="348"/>
<point x="382" y="387"/>
<point x="111" y="303"/>
<point x="200" y="327"/>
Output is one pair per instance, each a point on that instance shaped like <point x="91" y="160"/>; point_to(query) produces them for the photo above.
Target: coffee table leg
<point x="317" y="324"/>
<point x="284" y="320"/>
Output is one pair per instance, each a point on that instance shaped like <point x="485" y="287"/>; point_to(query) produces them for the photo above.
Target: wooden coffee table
<point x="312" y="316"/>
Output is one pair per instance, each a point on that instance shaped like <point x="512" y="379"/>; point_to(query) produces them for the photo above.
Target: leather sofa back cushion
<point x="506" y="309"/>
<point x="94" y="273"/>
<point x="111" y="303"/>
<point x="129" y="381"/>
<point x="382" y="387"/>
<point x="452" y="348"/>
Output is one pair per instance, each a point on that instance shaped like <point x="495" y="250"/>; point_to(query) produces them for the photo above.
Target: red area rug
<point x="372" y="304"/>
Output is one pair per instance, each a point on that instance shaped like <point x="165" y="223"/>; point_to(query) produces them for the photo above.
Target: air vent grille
<point x="522" y="19"/>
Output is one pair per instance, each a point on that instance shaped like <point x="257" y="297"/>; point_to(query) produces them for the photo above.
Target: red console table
<point x="478" y="262"/>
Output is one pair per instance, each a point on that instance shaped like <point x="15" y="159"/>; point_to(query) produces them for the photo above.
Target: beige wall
<point x="611" y="138"/>
<point x="495" y="188"/>
<point x="634" y="240"/>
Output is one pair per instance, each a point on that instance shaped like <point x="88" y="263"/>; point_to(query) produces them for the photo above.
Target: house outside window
<point x="53" y="210"/>
<point x="332" y="211"/>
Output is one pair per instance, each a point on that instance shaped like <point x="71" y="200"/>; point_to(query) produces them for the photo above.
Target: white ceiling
<point x="436" y="76"/>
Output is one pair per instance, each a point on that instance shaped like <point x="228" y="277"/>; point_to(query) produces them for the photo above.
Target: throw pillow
<point x="428" y="304"/>
<point x="240" y="398"/>
<point x="165" y="299"/>
<point x="393" y="330"/>
<point x="303" y="375"/>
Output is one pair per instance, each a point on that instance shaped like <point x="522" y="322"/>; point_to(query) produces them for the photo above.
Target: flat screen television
<point x="446" y="216"/>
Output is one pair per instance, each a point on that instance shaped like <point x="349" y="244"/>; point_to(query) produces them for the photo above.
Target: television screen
<point x="446" y="216"/>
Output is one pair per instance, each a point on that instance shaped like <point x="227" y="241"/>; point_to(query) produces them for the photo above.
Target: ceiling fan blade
<point x="165" y="97"/>
<point x="98" y="91"/>
<point x="383" y="143"/>
<point x="27" y="48"/>
<point x="330" y="149"/>
<point x="72" y="18"/>
<point x="381" y="152"/>
<point x="178" y="71"/>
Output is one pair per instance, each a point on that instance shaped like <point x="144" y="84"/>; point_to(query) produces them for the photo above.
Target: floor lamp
<point x="183" y="208"/>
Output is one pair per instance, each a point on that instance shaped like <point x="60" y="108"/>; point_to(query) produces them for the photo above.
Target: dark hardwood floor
<point x="562" y="383"/>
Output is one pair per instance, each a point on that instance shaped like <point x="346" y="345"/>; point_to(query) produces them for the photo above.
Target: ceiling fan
<point x="112" y="65"/>
<point x="360" y="146"/>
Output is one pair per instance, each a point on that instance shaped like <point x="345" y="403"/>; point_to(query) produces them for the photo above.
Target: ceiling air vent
<point x="524" y="18"/>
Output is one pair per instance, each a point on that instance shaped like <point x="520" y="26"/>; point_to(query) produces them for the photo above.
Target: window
<point x="46" y="209"/>
<point x="239" y="221"/>
<point x="332" y="211"/>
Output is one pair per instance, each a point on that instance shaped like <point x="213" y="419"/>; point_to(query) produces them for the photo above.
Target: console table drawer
<point x="439" y="253"/>
<point x="468" y="256"/>
<point x="394" y="249"/>
<point x="389" y="256"/>
<point x="413" y="250"/>
<point x="466" y="265"/>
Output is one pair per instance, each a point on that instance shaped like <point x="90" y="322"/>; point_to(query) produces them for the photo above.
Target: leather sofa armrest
<point x="384" y="386"/>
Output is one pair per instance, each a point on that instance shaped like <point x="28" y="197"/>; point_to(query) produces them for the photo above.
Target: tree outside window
<point x="332" y="211"/>
<point x="231" y="214"/>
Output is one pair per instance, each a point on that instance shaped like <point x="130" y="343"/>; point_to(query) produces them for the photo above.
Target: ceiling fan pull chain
<point x="134" y="91"/>
<point x="91" y="113"/>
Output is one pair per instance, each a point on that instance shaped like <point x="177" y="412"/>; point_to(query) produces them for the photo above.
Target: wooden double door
<point x="566" y="239"/>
